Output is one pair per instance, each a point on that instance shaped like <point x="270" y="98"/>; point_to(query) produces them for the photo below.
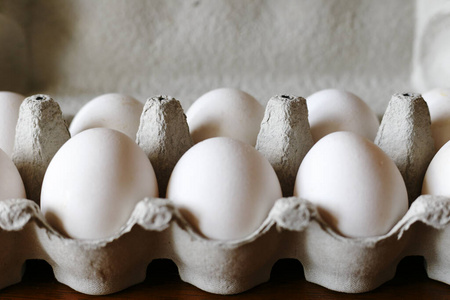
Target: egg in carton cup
<point x="293" y="228"/>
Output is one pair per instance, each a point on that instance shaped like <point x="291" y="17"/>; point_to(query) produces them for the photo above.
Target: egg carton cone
<point x="293" y="228"/>
<point x="40" y="132"/>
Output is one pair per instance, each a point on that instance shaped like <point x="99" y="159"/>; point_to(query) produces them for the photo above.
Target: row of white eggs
<point x="224" y="187"/>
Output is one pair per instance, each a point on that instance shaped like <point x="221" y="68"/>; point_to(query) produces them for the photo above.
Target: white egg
<point x="438" y="101"/>
<point x="333" y="110"/>
<point x="9" y="113"/>
<point x="224" y="188"/>
<point x="115" y="111"/>
<point x="436" y="180"/>
<point x="225" y="112"/>
<point x="93" y="183"/>
<point x="357" y="188"/>
<point x="11" y="184"/>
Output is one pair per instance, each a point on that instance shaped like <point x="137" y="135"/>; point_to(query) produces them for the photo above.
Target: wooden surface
<point x="287" y="281"/>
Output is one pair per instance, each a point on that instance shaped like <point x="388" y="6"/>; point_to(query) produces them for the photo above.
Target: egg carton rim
<point x="289" y="213"/>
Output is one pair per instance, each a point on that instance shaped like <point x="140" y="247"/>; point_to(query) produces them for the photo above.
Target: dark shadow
<point x="161" y="271"/>
<point x="13" y="55"/>
<point x="48" y="34"/>
<point x="56" y="222"/>
<point x="287" y="269"/>
<point x="409" y="270"/>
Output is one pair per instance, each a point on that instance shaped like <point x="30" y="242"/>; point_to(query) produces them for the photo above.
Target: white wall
<point x="78" y="49"/>
<point x="432" y="45"/>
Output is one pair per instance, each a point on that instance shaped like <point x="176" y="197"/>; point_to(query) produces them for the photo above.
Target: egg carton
<point x="293" y="228"/>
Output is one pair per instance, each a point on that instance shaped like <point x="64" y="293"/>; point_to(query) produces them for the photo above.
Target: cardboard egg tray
<point x="293" y="228"/>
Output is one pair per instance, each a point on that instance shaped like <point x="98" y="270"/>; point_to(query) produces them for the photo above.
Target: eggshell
<point x="11" y="184"/>
<point x="115" y="111"/>
<point x="436" y="180"/>
<point x="9" y="113"/>
<point x="224" y="188"/>
<point x="438" y="101"/>
<point x="333" y="110"/>
<point x="225" y="112"/>
<point x="358" y="189"/>
<point x="94" y="182"/>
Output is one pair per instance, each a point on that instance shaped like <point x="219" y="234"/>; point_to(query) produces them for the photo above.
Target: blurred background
<point x="75" y="50"/>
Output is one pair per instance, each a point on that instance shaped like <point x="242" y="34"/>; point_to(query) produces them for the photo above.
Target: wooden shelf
<point x="287" y="281"/>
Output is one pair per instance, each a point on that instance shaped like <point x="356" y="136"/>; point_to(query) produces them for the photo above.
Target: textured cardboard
<point x="164" y="136"/>
<point x="405" y="135"/>
<point x="285" y="137"/>
<point x="40" y="132"/>
<point x="293" y="229"/>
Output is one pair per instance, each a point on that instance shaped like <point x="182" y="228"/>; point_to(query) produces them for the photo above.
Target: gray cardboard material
<point x="293" y="229"/>
<point x="163" y="125"/>
<point x="405" y="135"/>
<point x="285" y="137"/>
<point x="338" y="263"/>
<point x="40" y="132"/>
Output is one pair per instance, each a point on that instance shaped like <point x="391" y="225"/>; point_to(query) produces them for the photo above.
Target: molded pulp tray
<point x="293" y="228"/>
